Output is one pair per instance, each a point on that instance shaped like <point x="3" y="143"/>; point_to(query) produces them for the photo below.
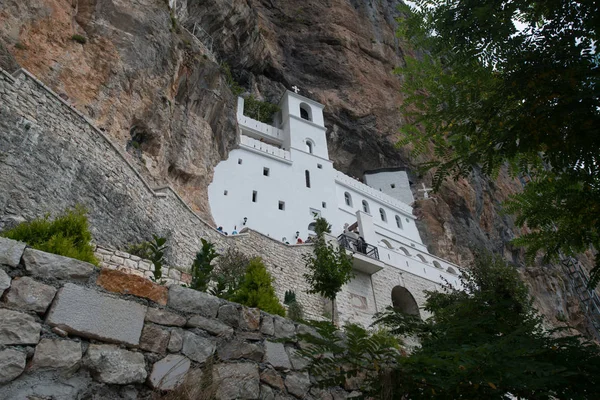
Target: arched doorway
<point x="403" y="301"/>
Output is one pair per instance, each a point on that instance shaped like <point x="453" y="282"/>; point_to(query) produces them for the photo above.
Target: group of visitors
<point x="234" y="232"/>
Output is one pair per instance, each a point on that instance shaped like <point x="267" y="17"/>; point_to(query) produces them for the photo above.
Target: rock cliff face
<point x="162" y="95"/>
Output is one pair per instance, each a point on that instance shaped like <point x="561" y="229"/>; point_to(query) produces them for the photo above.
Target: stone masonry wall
<point x="52" y="157"/>
<point x="69" y="330"/>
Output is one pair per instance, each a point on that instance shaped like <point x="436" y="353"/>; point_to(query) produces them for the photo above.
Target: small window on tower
<point x="239" y="161"/>
<point x="324" y="205"/>
<point x="225" y="193"/>
<point x="307" y="178"/>
<point x="320" y="166"/>
<point x="282" y="205"/>
<point x="266" y="171"/>
<point x="393" y="185"/>
<point x="254" y="196"/>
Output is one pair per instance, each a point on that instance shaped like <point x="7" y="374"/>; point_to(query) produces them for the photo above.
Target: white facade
<point x="280" y="176"/>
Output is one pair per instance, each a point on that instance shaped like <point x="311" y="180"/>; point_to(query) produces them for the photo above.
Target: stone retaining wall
<point x="69" y="330"/>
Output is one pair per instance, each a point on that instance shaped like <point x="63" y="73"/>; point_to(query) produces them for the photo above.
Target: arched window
<point x="387" y="244"/>
<point x="403" y="301"/>
<point x="403" y="249"/>
<point x="312" y="226"/>
<point x="309" y="146"/>
<point x="437" y="264"/>
<point x="365" y="206"/>
<point x="399" y="222"/>
<point x="382" y="215"/>
<point x="348" y="199"/>
<point x="420" y="257"/>
<point x="451" y="270"/>
<point x="305" y="112"/>
<point x="307" y="177"/>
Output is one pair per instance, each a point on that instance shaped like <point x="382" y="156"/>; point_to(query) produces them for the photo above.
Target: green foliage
<point x="486" y="94"/>
<point x="484" y="341"/>
<point x="262" y="111"/>
<point x="295" y="311"/>
<point x="329" y="267"/>
<point x="257" y="290"/>
<point x="229" y="273"/>
<point x="322" y="226"/>
<point x="67" y="235"/>
<point x="202" y="268"/>
<point x="235" y="87"/>
<point x="79" y="39"/>
<point x="289" y="297"/>
<point x="153" y="251"/>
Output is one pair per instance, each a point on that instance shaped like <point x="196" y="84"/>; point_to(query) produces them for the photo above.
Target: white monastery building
<point x="280" y="177"/>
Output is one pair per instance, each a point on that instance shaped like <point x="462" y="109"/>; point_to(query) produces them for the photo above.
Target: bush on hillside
<point x="67" y="235"/>
<point x="257" y="290"/>
<point x="229" y="273"/>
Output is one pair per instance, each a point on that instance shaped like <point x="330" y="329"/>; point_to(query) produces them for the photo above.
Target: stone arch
<point x="310" y="146"/>
<point x="403" y="301"/>
<point x="437" y="264"/>
<point x="348" y="199"/>
<point x="312" y="226"/>
<point x="421" y="258"/>
<point x="451" y="270"/>
<point x="305" y="112"/>
<point x="387" y="244"/>
<point x="403" y="249"/>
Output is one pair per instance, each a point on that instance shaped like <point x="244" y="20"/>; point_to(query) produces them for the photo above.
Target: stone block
<point x="267" y="326"/>
<point x="283" y="328"/>
<point x="175" y="341"/>
<point x="266" y="393"/>
<point x="235" y="350"/>
<point x="117" y="260"/>
<point x="11" y="252"/>
<point x="298" y="362"/>
<point x="123" y="283"/>
<point x="250" y="319"/>
<point x="186" y="278"/>
<point x="110" y="364"/>
<point x="297" y="383"/>
<point x="276" y="355"/>
<point x="164" y="317"/>
<point x="18" y="328"/>
<point x="154" y="339"/>
<point x="272" y="378"/>
<point x="236" y="381"/>
<point x="193" y="301"/>
<point x="169" y="372"/>
<point x="12" y="364"/>
<point x="249" y="336"/>
<point x="56" y="354"/>
<point x="122" y="254"/>
<point x="91" y="314"/>
<point x="229" y="314"/>
<point x="174" y="274"/>
<point x="28" y="295"/>
<point x="4" y="281"/>
<point x="196" y="347"/>
<point x="145" y="265"/>
<point x="212" y="326"/>
<point x="131" y="264"/>
<point x="51" y="266"/>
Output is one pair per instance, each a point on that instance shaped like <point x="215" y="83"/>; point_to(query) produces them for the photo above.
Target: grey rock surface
<point x="298" y="362"/>
<point x="11" y="252"/>
<point x="193" y="301"/>
<point x="197" y="347"/>
<point x="12" y="364"/>
<point x="236" y="381"/>
<point x="95" y="315"/>
<point x="29" y="295"/>
<point x="235" y="349"/>
<point x="272" y="378"/>
<point x="283" y="328"/>
<point x="249" y="318"/>
<point x="212" y="326"/>
<point x="110" y="364"/>
<point x="164" y="317"/>
<point x="297" y="383"/>
<point x="267" y="326"/>
<point x="175" y="341"/>
<point x="229" y="314"/>
<point x="276" y="355"/>
<point x="4" y="281"/>
<point x="51" y="266"/>
<point x="18" y="328"/>
<point x="169" y="372"/>
<point x="266" y="393"/>
<point x="154" y="339"/>
<point x="56" y="354"/>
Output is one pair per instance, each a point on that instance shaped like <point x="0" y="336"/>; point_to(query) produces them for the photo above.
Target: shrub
<point x="67" y="235"/>
<point x="153" y="251"/>
<point x="262" y="111"/>
<point x="229" y="273"/>
<point x="295" y="311"/>
<point x="79" y="39"/>
<point x="235" y="87"/>
<point x="202" y="268"/>
<point x="257" y="290"/>
<point x="289" y="297"/>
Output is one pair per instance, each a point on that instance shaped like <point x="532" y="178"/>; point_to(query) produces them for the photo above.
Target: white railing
<point x="267" y="148"/>
<point x="361" y="187"/>
<point x="260" y="127"/>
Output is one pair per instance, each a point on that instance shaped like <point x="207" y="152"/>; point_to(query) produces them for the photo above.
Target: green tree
<point x="229" y="273"/>
<point x="329" y="266"/>
<point x="153" y="251"/>
<point x="67" y="235"/>
<point x="484" y="341"/>
<point x="487" y="93"/>
<point x="257" y="289"/>
<point x="202" y="267"/>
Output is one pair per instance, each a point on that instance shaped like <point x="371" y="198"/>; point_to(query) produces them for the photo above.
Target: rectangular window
<point x="239" y="161"/>
<point x="266" y="171"/>
<point x="324" y="205"/>
<point x="393" y="185"/>
<point x="319" y="166"/>
<point x="282" y="205"/>
<point x="225" y="193"/>
<point x="254" y="196"/>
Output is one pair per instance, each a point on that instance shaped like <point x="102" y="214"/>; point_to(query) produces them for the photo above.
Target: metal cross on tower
<point x="425" y="191"/>
<point x="296" y="89"/>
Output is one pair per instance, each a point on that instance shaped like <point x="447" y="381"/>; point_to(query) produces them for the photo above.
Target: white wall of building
<point x="392" y="183"/>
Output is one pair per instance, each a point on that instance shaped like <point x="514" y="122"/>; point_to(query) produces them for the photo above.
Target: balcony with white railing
<point x="260" y="130"/>
<point x="368" y="190"/>
<point x="271" y="150"/>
